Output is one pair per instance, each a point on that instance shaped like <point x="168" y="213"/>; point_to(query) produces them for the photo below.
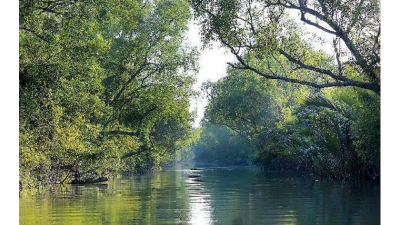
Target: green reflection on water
<point x="208" y="196"/>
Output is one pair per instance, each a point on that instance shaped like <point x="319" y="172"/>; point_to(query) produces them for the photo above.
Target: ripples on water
<point x="208" y="196"/>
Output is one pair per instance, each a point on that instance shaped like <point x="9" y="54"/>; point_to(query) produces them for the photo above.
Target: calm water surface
<point x="207" y="196"/>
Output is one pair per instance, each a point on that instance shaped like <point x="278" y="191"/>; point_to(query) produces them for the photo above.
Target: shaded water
<point x="207" y="196"/>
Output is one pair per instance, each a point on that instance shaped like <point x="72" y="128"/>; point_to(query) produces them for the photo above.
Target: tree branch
<point x="129" y="154"/>
<point x="121" y="132"/>
<point x="34" y="33"/>
<point x="360" y="60"/>
<point x="303" y="18"/>
<point x="312" y="68"/>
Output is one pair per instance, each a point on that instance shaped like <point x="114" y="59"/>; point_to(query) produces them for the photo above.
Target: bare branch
<point x="303" y="18"/>
<point x="312" y="68"/>
<point x="336" y="42"/>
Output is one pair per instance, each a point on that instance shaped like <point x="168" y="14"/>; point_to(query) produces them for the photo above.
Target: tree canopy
<point x="281" y="31"/>
<point x="104" y="87"/>
<point x="290" y="127"/>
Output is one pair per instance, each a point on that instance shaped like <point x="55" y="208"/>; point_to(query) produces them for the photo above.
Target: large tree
<point x="280" y="30"/>
<point x="104" y="87"/>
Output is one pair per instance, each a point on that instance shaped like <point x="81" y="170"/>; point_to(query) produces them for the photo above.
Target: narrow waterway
<point x="209" y="195"/>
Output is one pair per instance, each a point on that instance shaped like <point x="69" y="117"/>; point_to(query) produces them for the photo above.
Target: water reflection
<point x="199" y="200"/>
<point x="208" y="196"/>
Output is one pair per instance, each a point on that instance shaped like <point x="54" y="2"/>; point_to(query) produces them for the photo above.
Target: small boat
<point x="194" y="176"/>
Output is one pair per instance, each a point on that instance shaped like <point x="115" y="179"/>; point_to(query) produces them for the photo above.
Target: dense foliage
<point x="304" y="90"/>
<point x="332" y="133"/>
<point x="219" y="144"/>
<point x="104" y="87"/>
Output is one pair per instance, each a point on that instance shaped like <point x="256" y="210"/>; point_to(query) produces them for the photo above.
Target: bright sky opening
<point x="212" y="66"/>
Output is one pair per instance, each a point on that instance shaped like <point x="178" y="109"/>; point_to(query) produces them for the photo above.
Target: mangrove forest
<point x="106" y="91"/>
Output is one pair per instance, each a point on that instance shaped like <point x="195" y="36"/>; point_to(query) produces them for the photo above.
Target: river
<point x="211" y="195"/>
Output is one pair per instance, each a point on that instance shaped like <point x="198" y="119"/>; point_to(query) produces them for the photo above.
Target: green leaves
<point x="292" y="127"/>
<point x="94" y="73"/>
<point x="256" y="32"/>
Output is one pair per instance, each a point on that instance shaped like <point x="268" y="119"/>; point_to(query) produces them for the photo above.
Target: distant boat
<point x="194" y="176"/>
